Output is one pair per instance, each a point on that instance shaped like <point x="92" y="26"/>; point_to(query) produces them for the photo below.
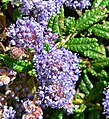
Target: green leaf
<point x="69" y="25"/>
<point x="1" y="57"/>
<point x="96" y="53"/>
<point x="94" y="114"/>
<point x="97" y="92"/>
<point x="83" y="40"/>
<point x="79" y="116"/>
<point x="103" y="76"/>
<point x="58" y="114"/>
<point x="46" y="47"/>
<point x="88" y="82"/>
<point x="100" y="63"/>
<point x="91" y="71"/>
<point x="90" y="17"/>
<point x="61" y="20"/>
<point x="93" y="54"/>
<point x="31" y="72"/>
<point x="6" y="1"/>
<point x="81" y="108"/>
<point x="16" y="15"/>
<point x="15" y="64"/>
<point x="85" y="46"/>
<point x="17" y="68"/>
<point x="83" y="88"/>
<point x="56" y="23"/>
<point x="101" y="30"/>
<point x="82" y="64"/>
<point x="98" y="3"/>
<point x="55" y="27"/>
<point x="50" y="23"/>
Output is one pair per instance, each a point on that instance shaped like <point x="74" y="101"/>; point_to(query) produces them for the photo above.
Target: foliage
<point x="86" y="36"/>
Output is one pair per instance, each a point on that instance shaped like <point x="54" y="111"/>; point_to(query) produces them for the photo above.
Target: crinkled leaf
<point x="50" y="23"/>
<point x="61" y="20"/>
<point x="93" y="114"/>
<point x="84" y="88"/>
<point x="88" y="82"/>
<point x="90" y="17"/>
<point x="103" y="75"/>
<point x="100" y="63"/>
<point x="69" y="25"/>
<point x="101" y="30"/>
<point x="97" y="92"/>
<point x="15" y="64"/>
<point x="79" y="116"/>
<point x="6" y="1"/>
<point x="93" y="54"/>
<point x="46" y="47"/>
<point x="83" y="46"/>
<point x="98" y="3"/>
<point x="58" y="114"/>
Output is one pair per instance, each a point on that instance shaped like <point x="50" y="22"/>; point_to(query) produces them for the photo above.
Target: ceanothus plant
<point x="57" y="73"/>
<point x="57" y="55"/>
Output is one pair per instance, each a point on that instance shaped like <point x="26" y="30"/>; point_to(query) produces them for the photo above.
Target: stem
<point x="81" y="101"/>
<point x="63" y="41"/>
<point x="2" y="46"/>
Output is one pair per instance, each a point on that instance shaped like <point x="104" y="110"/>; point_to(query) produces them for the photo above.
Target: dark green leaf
<point x="100" y="62"/>
<point x="15" y="64"/>
<point x="46" y="47"/>
<point x="79" y="116"/>
<point x="90" y="17"/>
<point x="58" y="114"/>
<point x="100" y="3"/>
<point x="85" y="46"/>
<point x="101" y="30"/>
<point x="88" y="82"/>
<point x="94" y="114"/>
<point x="83" y="88"/>
<point x="6" y="1"/>
<point x="97" y="92"/>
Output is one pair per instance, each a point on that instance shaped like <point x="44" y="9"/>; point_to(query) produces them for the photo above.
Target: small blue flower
<point x="78" y="4"/>
<point x="30" y="34"/>
<point x="8" y="113"/>
<point x="106" y="102"/>
<point x="57" y="74"/>
<point x="42" y="9"/>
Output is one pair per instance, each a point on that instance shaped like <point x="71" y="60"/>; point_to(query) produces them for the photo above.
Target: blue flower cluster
<point x="8" y="113"/>
<point x="32" y="111"/>
<point x="57" y="70"/>
<point x="78" y="4"/>
<point x="106" y="102"/>
<point x="57" y="74"/>
<point x="6" y="76"/>
<point x="27" y="33"/>
<point x="42" y="10"/>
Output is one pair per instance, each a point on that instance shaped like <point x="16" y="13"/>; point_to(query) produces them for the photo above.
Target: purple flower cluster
<point x="78" y="4"/>
<point x="106" y="102"/>
<point x="16" y="52"/>
<point x="57" y="74"/>
<point x="27" y="33"/>
<point x="6" y="75"/>
<point x="32" y="111"/>
<point x="57" y="70"/>
<point x="8" y="113"/>
<point x="26" y="6"/>
<point x="45" y="9"/>
<point x="42" y="9"/>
